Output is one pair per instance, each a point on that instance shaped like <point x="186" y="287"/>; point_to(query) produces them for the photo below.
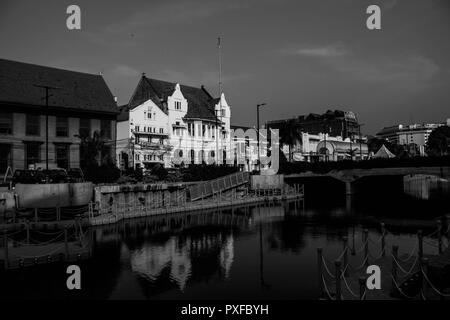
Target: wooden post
<point x="66" y="244"/>
<point x="320" y="271"/>
<point x="366" y="247"/>
<point x="423" y="270"/>
<point x="362" y="288"/>
<point x="383" y="240"/>
<point x="345" y="247"/>
<point x="5" y="242"/>
<point x="338" y="273"/>
<point x="439" y="226"/>
<point x="420" y="239"/>
<point x="394" y="266"/>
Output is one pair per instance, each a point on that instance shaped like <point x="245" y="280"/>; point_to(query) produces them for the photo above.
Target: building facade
<point x="415" y="136"/>
<point x="336" y="123"/>
<point x="321" y="147"/>
<point x="173" y="125"/>
<point x="78" y="103"/>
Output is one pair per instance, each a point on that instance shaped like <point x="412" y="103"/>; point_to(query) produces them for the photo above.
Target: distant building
<point x="328" y="136"/>
<point x="413" y="135"/>
<point x="320" y="147"/>
<point x="335" y="123"/>
<point x="81" y="103"/>
<point x="164" y="118"/>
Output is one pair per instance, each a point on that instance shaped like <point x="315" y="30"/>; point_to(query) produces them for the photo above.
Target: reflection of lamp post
<point x="257" y="128"/>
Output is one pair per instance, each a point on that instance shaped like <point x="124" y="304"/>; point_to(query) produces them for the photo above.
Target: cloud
<point x="124" y="71"/>
<point x="412" y="73"/>
<point x="328" y="51"/>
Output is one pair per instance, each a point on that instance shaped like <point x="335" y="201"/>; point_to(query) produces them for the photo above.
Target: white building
<point x="314" y="147"/>
<point x="410" y="135"/>
<point x="172" y="124"/>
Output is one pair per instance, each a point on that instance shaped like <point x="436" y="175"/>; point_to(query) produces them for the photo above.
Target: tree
<point x="289" y="135"/>
<point x="438" y="143"/>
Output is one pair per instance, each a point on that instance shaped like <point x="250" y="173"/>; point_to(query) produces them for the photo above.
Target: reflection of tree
<point x="287" y="235"/>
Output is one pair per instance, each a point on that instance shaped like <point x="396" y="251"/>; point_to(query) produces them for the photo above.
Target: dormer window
<point x="177" y="105"/>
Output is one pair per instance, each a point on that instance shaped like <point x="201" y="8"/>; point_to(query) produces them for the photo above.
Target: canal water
<point x="256" y="252"/>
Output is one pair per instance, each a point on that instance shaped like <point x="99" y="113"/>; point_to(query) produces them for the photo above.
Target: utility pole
<point x="47" y="88"/>
<point x="257" y="128"/>
<point x="219" y="47"/>
<point x="325" y="141"/>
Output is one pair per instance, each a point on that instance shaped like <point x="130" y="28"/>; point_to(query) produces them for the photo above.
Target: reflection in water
<point x="255" y="252"/>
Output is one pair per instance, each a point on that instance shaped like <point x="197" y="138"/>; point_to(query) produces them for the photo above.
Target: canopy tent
<point x="384" y="152"/>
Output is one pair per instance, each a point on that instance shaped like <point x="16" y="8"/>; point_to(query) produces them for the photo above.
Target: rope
<point x="411" y="254"/>
<point x="326" y="289"/>
<point x="403" y="270"/>
<point x="433" y="287"/>
<point x="348" y="287"/>
<point x="362" y="247"/>
<point x="400" y="290"/>
<point x="326" y="268"/>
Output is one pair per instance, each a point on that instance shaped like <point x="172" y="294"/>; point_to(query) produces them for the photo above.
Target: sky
<point x="298" y="56"/>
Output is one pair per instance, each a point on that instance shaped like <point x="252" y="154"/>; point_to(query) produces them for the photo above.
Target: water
<point x="259" y="252"/>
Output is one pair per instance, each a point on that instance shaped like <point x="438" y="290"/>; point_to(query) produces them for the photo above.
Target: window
<point x="177" y="105"/>
<point x="136" y="128"/>
<point x="62" y="155"/>
<point x="161" y="130"/>
<point x="203" y="130"/>
<point x="33" y="125"/>
<point x="105" y="129"/>
<point x="223" y="113"/>
<point x="85" y="127"/>
<point x="6" y="122"/>
<point x="32" y="154"/>
<point x="62" y="127"/>
<point x="149" y="115"/>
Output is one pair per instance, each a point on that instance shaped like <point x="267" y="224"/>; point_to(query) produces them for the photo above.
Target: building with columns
<point x="78" y="103"/>
<point x="172" y="124"/>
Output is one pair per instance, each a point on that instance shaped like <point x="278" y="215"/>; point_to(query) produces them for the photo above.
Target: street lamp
<point x="257" y="128"/>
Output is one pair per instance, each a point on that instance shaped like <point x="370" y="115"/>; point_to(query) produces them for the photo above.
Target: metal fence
<point x="208" y="188"/>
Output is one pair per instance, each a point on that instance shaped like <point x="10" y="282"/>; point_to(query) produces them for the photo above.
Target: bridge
<point x="349" y="176"/>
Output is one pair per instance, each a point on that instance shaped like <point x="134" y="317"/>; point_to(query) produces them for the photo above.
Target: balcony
<point x="147" y="133"/>
<point x="144" y="145"/>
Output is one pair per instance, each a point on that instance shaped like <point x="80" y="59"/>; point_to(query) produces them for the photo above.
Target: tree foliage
<point x="438" y="143"/>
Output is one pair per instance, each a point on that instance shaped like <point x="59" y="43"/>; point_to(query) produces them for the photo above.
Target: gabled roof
<point x="76" y="90"/>
<point x="200" y="103"/>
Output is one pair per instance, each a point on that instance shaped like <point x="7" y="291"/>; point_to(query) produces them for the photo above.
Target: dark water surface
<point x="258" y="252"/>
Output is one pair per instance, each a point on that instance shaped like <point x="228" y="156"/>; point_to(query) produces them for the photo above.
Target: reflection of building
<point x="152" y="259"/>
<point x="164" y="119"/>
<point x="79" y="103"/>
<point x="410" y="135"/>
<point x="335" y="123"/>
<point x="227" y="255"/>
<point x="311" y="147"/>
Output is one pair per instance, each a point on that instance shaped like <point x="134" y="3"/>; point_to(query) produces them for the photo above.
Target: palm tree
<point x="289" y="135"/>
<point x="90" y="149"/>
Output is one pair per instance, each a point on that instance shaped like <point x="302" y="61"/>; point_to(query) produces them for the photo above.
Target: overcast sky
<point x="298" y="56"/>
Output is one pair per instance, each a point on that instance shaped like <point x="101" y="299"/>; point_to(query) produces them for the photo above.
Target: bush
<point x="107" y="173"/>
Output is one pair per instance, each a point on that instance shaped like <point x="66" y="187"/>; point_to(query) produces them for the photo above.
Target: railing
<point x="211" y="187"/>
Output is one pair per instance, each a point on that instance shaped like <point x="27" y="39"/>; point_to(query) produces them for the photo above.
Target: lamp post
<point x="257" y="128"/>
<point x="47" y="88"/>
